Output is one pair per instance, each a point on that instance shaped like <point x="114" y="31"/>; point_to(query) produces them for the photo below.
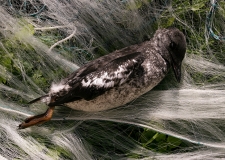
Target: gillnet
<point x="42" y="41"/>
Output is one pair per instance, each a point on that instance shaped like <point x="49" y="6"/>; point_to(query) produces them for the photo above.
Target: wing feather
<point x="102" y="62"/>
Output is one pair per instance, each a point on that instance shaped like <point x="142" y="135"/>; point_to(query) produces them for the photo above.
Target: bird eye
<point x="173" y="45"/>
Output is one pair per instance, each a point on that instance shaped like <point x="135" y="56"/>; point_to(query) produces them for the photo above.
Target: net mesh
<point x="42" y="41"/>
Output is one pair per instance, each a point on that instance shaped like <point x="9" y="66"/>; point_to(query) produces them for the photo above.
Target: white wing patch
<point x="58" y="87"/>
<point x="119" y="72"/>
<point x="105" y="79"/>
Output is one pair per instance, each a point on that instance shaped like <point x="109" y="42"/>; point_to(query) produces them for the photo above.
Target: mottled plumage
<point x="117" y="78"/>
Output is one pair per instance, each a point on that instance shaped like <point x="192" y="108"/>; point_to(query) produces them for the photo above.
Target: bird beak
<point x="177" y="70"/>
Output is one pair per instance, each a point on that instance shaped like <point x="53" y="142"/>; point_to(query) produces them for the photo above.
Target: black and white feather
<point x="118" y="78"/>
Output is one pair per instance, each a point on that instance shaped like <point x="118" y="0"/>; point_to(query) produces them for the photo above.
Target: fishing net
<point x="42" y="41"/>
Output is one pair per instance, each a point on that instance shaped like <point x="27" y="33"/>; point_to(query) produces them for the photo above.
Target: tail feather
<point x="38" y="99"/>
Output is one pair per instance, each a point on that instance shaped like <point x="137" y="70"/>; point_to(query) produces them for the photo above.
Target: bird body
<point x="119" y="77"/>
<point x="134" y="73"/>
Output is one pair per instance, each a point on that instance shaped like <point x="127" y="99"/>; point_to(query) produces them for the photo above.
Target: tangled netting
<point x="42" y="41"/>
<point x="209" y="21"/>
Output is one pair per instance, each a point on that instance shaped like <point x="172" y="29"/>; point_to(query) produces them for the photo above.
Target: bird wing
<point x="96" y="81"/>
<point x="102" y="62"/>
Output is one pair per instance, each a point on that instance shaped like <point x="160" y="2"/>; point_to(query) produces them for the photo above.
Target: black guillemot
<point x="117" y="78"/>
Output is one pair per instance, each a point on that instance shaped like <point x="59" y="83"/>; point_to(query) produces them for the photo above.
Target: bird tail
<point x="42" y="98"/>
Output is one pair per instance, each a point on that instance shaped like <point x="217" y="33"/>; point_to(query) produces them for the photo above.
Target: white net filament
<point x="43" y="41"/>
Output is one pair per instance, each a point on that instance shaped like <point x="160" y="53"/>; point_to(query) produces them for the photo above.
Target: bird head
<point x="172" y="43"/>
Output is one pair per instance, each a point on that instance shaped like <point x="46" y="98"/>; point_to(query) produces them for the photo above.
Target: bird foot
<point x="38" y="119"/>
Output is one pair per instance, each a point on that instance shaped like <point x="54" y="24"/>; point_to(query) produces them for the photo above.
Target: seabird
<point x="117" y="78"/>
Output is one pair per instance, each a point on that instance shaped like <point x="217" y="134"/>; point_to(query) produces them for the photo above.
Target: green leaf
<point x="173" y="142"/>
<point x="161" y="137"/>
<point x="197" y="6"/>
<point x="151" y="140"/>
<point x="147" y="135"/>
<point x="6" y="61"/>
<point x="3" y="80"/>
<point x="170" y="21"/>
<point x="26" y="30"/>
